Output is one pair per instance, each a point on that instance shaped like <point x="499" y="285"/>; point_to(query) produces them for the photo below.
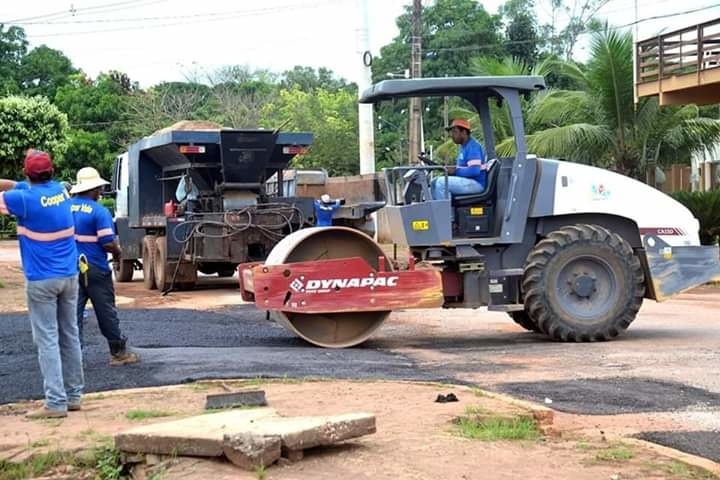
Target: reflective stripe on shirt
<point x="105" y="232"/>
<point x="45" y="236"/>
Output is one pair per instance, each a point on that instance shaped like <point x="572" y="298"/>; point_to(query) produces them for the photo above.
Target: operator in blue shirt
<point x="49" y="260"/>
<point x="325" y="209"/>
<point x="95" y="236"/>
<point x="469" y="175"/>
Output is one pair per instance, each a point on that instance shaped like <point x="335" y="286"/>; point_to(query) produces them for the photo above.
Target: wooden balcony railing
<point x="690" y="50"/>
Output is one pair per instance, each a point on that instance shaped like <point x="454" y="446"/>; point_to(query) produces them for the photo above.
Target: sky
<point x="166" y="40"/>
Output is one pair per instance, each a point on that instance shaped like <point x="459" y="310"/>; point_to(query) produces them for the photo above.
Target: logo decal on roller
<point x="326" y="285"/>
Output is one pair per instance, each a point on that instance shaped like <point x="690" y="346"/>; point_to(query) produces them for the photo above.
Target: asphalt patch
<point x="178" y="346"/>
<point x="612" y="396"/>
<point x="702" y="444"/>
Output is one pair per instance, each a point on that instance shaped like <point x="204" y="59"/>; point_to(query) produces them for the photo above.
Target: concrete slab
<point x="244" y="436"/>
<point x="200" y="436"/>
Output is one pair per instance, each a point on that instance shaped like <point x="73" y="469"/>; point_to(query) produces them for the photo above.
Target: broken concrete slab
<point x="299" y="433"/>
<point x="250" y="451"/>
<point x="254" y="398"/>
<point x="241" y="434"/>
<point x="200" y="436"/>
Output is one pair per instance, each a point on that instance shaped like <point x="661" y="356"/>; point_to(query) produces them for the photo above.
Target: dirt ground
<point x="416" y="437"/>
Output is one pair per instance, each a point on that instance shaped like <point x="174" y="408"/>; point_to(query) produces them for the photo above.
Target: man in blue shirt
<point x="95" y="236"/>
<point x="470" y="173"/>
<point x="324" y="210"/>
<point x="49" y="259"/>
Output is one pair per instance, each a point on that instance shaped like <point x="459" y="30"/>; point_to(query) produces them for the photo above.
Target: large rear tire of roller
<point x="583" y="283"/>
<point x="331" y="330"/>
<point x="524" y="320"/>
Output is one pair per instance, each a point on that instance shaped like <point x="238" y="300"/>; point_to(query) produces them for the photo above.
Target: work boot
<point x="44" y="412"/>
<point x="74" y="406"/>
<point x="124" y="358"/>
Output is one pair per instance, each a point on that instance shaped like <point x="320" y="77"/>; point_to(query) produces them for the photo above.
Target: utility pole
<point x="365" y="111"/>
<point x="415" y="127"/>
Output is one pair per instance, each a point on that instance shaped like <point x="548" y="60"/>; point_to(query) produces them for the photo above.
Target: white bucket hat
<point x="88" y="179"/>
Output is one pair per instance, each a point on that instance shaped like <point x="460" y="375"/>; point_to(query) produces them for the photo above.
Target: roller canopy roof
<point x="430" y="87"/>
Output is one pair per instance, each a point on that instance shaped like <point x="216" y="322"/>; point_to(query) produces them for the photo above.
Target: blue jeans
<point x="51" y="305"/>
<point x="456" y="185"/>
<point x="101" y="292"/>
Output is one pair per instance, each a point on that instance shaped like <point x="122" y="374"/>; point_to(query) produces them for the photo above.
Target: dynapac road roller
<point x="567" y="250"/>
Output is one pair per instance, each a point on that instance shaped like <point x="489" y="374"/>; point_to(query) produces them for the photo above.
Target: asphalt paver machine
<point x="565" y="249"/>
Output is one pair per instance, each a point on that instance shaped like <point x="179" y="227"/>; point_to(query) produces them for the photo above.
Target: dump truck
<point x="567" y="250"/>
<point x="194" y="200"/>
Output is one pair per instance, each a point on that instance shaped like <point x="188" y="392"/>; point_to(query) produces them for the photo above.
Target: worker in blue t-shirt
<point x="95" y="236"/>
<point x="325" y="209"/>
<point x="469" y="175"/>
<point x="49" y="259"/>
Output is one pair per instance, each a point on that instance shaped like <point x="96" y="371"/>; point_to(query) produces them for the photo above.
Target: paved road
<point x="178" y="346"/>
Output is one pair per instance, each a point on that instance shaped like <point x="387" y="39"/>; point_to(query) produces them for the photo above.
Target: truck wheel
<point x="522" y="319"/>
<point x="226" y="272"/>
<point x="186" y="276"/>
<point x="148" y="257"/>
<point x="583" y="283"/>
<point x="124" y="273"/>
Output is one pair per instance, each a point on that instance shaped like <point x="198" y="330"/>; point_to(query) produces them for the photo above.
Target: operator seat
<point x="482" y="197"/>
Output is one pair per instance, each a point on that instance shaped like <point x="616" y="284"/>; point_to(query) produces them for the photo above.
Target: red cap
<point x="37" y="162"/>
<point x="460" y="122"/>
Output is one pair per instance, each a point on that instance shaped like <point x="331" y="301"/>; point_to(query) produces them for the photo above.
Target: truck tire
<point x="186" y="276"/>
<point x="125" y="270"/>
<point x="226" y="272"/>
<point x="148" y="257"/>
<point x="583" y="283"/>
<point x="522" y="319"/>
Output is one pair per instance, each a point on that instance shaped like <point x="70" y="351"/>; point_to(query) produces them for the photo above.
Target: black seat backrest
<point x="484" y="196"/>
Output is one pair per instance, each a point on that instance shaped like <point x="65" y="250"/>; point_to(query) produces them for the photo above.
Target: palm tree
<point x="598" y="123"/>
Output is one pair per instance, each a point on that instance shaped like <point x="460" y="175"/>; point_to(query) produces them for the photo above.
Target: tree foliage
<point x="44" y="70"/>
<point x="332" y="117"/>
<point x="13" y="47"/>
<point x="29" y="122"/>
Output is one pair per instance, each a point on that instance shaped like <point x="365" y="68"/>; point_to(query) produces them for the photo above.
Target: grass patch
<point x="615" y="453"/>
<point x="480" y="393"/>
<point x="107" y="463"/>
<point x="476" y="410"/>
<point x="583" y="446"/>
<point x="2" y="285"/>
<point x="35" y="466"/>
<point x="145" y="414"/>
<point x="492" y="428"/>
<point x="199" y="387"/>
<point x="40" y="443"/>
<point x="260" y="472"/>
<point x="687" y="471"/>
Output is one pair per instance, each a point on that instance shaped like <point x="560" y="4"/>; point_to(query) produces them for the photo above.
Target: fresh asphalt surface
<point x="178" y="345"/>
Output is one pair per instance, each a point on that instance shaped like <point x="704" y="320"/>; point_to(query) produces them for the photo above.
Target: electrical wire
<point x="74" y="11"/>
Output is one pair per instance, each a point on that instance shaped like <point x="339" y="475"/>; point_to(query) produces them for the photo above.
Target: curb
<point x="690" y="459"/>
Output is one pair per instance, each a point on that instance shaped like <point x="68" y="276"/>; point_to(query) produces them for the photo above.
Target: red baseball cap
<point x="460" y="122"/>
<point x="37" y="162"/>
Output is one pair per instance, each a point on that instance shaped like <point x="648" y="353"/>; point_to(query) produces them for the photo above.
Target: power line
<point x="223" y="16"/>
<point x="74" y="11"/>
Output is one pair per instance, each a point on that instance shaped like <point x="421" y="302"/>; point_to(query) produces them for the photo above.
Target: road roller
<point x="566" y="250"/>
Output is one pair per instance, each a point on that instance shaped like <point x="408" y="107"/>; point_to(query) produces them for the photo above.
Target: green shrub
<point x="705" y="206"/>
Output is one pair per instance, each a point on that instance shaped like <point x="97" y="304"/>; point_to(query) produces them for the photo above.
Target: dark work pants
<point x="100" y="290"/>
